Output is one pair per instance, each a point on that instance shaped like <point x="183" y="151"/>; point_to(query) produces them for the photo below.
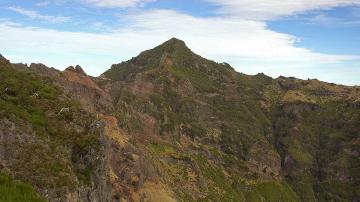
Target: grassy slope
<point x="13" y="191"/>
<point x="54" y="157"/>
<point x="319" y="132"/>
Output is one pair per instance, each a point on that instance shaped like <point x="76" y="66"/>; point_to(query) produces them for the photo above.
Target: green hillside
<point x="170" y="125"/>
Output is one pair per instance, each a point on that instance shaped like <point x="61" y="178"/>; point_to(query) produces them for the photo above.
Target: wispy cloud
<point x="326" y="20"/>
<point x="353" y="22"/>
<point x="272" y="9"/>
<point x="323" y="19"/>
<point x="35" y="15"/>
<point x="117" y="3"/>
<point x="42" y="3"/>
<point x="356" y="12"/>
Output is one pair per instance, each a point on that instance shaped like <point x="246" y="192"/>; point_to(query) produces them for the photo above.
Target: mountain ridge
<point x="177" y="127"/>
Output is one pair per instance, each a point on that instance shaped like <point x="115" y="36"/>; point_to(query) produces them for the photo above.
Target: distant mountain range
<point x="169" y="125"/>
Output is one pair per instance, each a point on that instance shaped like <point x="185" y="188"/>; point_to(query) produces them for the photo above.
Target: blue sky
<point x="301" y="38"/>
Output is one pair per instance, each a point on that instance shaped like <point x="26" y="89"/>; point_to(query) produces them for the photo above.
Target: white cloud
<point x="221" y="37"/>
<point x="117" y="3"/>
<point x="270" y="9"/>
<point x="35" y="15"/>
<point x="248" y="45"/>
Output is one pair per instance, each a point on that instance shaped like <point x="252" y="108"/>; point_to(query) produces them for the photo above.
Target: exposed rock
<point x="44" y="70"/>
<point x="77" y="69"/>
<point x="20" y="67"/>
<point x="3" y="59"/>
<point x="64" y="110"/>
<point x="85" y="90"/>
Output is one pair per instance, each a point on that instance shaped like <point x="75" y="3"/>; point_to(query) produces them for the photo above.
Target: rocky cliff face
<point x="169" y="125"/>
<point x="48" y="139"/>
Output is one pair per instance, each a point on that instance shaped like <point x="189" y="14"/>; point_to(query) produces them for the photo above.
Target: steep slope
<point x="317" y="134"/>
<point x="76" y="83"/>
<point x="47" y="140"/>
<point x="200" y="123"/>
<point x="213" y="133"/>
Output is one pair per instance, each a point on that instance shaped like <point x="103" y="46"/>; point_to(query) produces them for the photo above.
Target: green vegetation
<point x="244" y="121"/>
<point x="197" y="78"/>
<point x="272" y="192"/>
<point x="161" y="149"/>
<point x="302" y="185"/>
<point x="309" y="124"/>
<point x="50" y="158"/>
<point x="316" y="138"/>
<point x="14" y="191"/>
<point x="220" y="187"/>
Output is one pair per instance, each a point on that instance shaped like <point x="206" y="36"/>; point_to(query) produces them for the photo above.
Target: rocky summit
<point x="170" y="125"/>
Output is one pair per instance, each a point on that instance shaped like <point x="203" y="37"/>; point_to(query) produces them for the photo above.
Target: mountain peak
<point x="76" y="69"/>
<point x="172" y="45"/>
<point x="174" y="41"/>
<point x="171" y="53"/>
